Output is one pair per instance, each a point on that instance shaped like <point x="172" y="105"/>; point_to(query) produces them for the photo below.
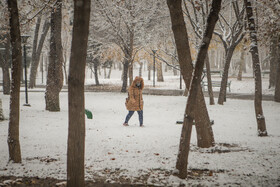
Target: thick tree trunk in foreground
<point x="257" y="71"/>
<point x="182" y="160"/>
<point x="13" y="133"/>
<point x="210" y="90"/>
<point x="36" y="58"/>
<point x="55" y="73"/>
<point x="76" y="101"/>
<point x="6" y="67"/>
<point x="204" y="131"/>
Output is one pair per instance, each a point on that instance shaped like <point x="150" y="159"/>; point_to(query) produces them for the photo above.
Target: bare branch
<point x="39" y="12"/>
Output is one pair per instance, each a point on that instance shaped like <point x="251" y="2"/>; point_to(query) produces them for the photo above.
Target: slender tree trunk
<point x="210" y="90"/>
<point x="277" y="83"/>
<point x="130" y="73"/>
<point x="182" y="160"/>
<point x="6" y="68"/>
<point x="125" y="73"/>
<point x="257" y="71"/>
<point x="36" y="58"/>
<point x="241" y="64"/>
<point x="149" y="71"/>
<point x="159" y="72"/>
<point x="95" y="66"/>
<point x="1" y="111"/>
<point x="13" y="132"/>
<point x="76" y="101"/>
<point x="204" y="131"/>
<point x="223" y="89"/>
<point x="34" y="48"/>
<point x="109" y="73"/>
<point x="120" y="66"/>
<point x="65" y="68"/>
<point x="55" y="73"/>
<point x="273" y="62"/>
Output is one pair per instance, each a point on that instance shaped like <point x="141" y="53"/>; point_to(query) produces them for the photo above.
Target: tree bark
<point x="95" y="66"/>
<point x="277" y="83"/>
<point x="1" y="112"/>
<point x="273" y="62"/>
<point x="241" y="64"/>
<point x="34" y="47"/>
<point x="6" y="67"/>
<point x="125" y="73"/>
<point x="223" y="89"/>
<point x="130" y="72"/>
<point x="149" y="71"/>
<point x="76" y="101"/>
<point x="159" y="72"/>
<point x="257" y="71"/>
<point x="36" y="58"/>
<point x="210" y="90"/>
<point x="13" y="132"/>
<point x="182" y="160"/>
<point x="204" y="131"/>
<point x="55" y="73"/>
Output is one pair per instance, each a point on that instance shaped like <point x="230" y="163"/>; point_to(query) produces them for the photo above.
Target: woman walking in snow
<point x="134" y="101"/>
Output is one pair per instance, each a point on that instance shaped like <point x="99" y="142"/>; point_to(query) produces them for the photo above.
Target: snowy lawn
<point x="148" y="154"/>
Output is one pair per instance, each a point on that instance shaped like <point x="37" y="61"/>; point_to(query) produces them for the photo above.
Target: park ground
<point x="145" y="156"/>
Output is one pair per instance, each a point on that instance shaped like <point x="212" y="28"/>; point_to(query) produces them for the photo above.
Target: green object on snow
<point x="88" y="113"/>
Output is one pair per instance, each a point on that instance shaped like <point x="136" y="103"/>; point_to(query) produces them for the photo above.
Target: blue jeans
<point x="130" y="113"/>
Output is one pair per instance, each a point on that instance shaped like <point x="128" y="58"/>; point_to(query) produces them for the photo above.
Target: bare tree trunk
<point x="210" y="90"/>
<point x="277" y="83"/>
<point x="223" y="89"/>
<point x="149" y="71"/>
<point x="109" y="73"/>
<point x="95" y="66"/>
<point x="241" y="64"/>
<point x="36" y="58"/>
<point x="130" y="73"/>
<point x="120" y="66"/>
<point x="55" y="73"/>
<point x="204" y="131"/>
<point x="1" y="112"/>
<point x="65" y="68"/>
<point x="6" y="67"/>
<point x="76" y="101"/>
<point x="182" y="160"/>
<point x="273" y="62"/>
<point x="13" y="132"/>
<point x="125" y="73"/>
<point x="159" y="72"/>
<point x="34" y="48"/>
<point x="257" y="71"/>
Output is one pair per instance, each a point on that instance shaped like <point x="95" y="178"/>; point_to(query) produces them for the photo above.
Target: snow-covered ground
<point x="114" y="151"/>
